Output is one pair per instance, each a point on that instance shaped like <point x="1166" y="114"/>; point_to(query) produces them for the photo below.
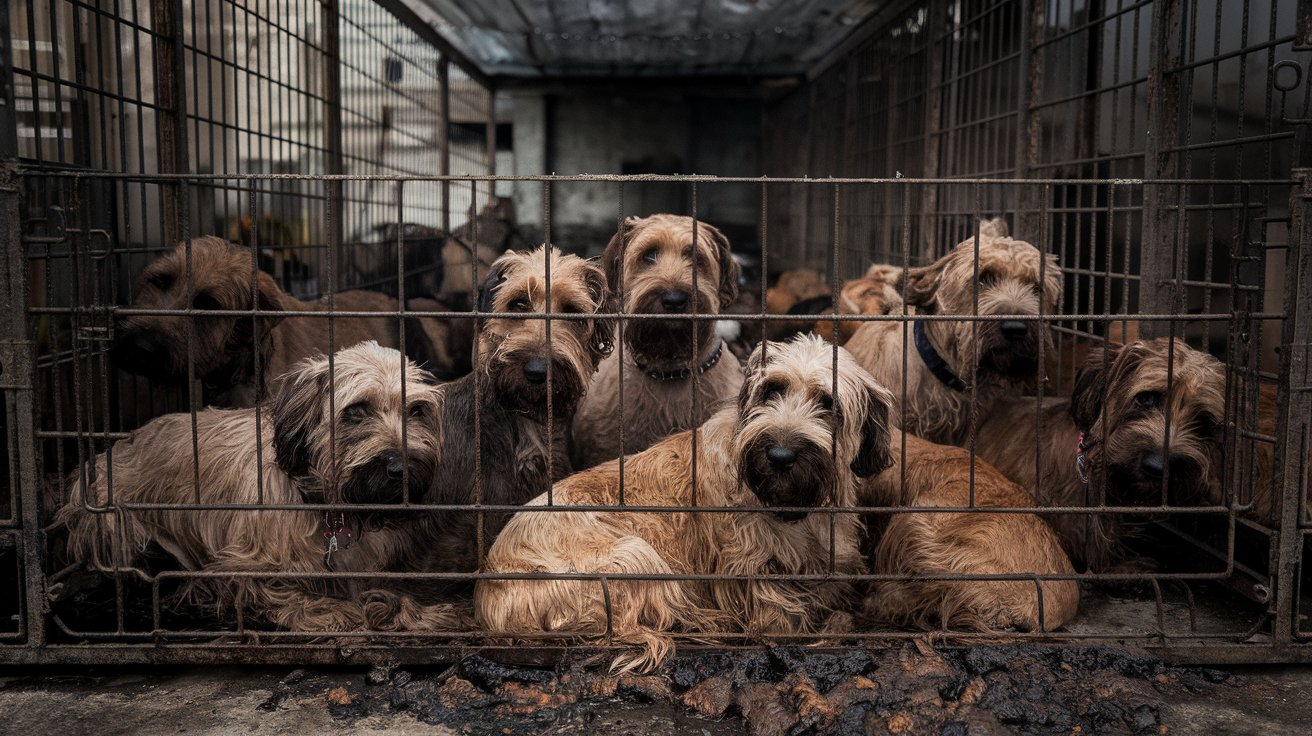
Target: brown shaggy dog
<point x="945" y="356"/>
<point x="521" y="451"/>
<point x="792" y="443"/>
<point x="874" y="293"/>
<point x="675" y="371"/>
<point x="970" y="543"/>
<point x="221" y="351"/>
<point x="340" y="438"/>
<point x="1128" y="436"/>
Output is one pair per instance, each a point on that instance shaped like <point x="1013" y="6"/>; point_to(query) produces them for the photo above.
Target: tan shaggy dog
<point x="875" y="293"/>
<point x="335" y="439"/>
<point x="792" y="444"/>
<point x="676" y="371"/>
<point x="944" y="356"/>
<point x="221" y="351"/>
<point x="1144" y="426"/>
<point x="968" y="543"/>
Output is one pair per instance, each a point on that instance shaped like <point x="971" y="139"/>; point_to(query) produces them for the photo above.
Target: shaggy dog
<point x="797" y="441"/>
<point x="344" y="437"/>
<point x="943" y="358"/>
<point x="676" y="371"/>
<point x="519" y="401"/>
<point x="221" y="351"/>
<point x="1143" y="427"/>
<point x="966" y="543"/>
<point x="875" y="293"/>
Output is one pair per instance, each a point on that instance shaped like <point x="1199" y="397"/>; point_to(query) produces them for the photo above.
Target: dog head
<point x="221" y="278"/>
<point x="803" y="431"/>
<point x="650" y="261"/>
<point x="875" y="293"/>
<point x="514" y="355"/>
<point x="1013" y="278"/>
<point x="1152" y="415"/>
<point x="350" y="436"/>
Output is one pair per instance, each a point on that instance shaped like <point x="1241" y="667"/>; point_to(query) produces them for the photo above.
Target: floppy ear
<point x="601" y="341"/>
<point x="920" y="284"/>
<point x="994" y="228"/>
<point x="730" y="270"/>
<point x="1091" y="385"/>
<point x="873" y="456"/>
<point x="612" y="259"/>
<point x="487" y="292"/>
<point x="752" y="370"/>
<point x="298" y="413"/>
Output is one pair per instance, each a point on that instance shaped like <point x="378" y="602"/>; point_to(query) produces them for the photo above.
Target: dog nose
<point x="674" y="301"/>
<point x="138" y="351"/>
<point x="1013" y="329"/>
<point x="535" y="370"/>
<point x="395" y="467"/>
<point x="1153" y="464"/>
<point x="781" y="457"/>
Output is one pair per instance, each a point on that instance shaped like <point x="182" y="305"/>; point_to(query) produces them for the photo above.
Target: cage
<point x="1156" y="148"/>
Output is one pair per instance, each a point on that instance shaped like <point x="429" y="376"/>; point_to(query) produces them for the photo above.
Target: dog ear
<point x="752" y="370"/>
<point x="297" y="413"/>
<point x="1091" y="382"/>
<point x="487" y="292"/>
<point x="873" y="456"/>
<point x="612" y="259"/>
<point x="730" y="270"/>
<point x="994" y="228"/>
<point x="601" y="341"/>
<point x="920" y="284"/>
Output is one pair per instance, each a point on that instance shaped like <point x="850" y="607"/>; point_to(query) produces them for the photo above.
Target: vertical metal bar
<point x="491" y="143"/>
<point x="8" y="123"/>
<point x="1028" y="128"/>
<point x="938" y="14"/>
<point x="332" y="131"/>
<point x="171" y="117"/>
<point x="1293" y="422"/>
<point x="444" y="141"/>
<point x="1156" y="294"/>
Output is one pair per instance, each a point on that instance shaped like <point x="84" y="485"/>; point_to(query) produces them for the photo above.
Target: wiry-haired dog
<point x="792" y="444"/>
<point x="1143" y="427"/>
<point x="650" y="260"/>
<point x="875" y="293"/>
<point x="220" y="351"/>
<point x="1013" y="278"/>
<point x="517" y="371"/>
<point x="970" y="543"/>
<point x="344" y="437"/>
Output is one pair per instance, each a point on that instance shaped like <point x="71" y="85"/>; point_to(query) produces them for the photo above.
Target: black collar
<point x="684" y="373"/>
<point x="934" y="362"/>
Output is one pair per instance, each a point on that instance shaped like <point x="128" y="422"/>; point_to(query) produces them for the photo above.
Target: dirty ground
<point x="913" y="688"/>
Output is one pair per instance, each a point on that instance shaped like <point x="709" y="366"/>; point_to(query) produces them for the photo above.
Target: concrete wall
<point x="588" y="133"/>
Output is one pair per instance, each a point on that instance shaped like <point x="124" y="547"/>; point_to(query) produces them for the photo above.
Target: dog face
<point x="1014" y="278"/>
<point x="155" y="346"/>
<point x="351" y="438"/>
<point x="800" y="431"/>
<point x="514" y="353"/>
<point x="651" y="260"/>
<point x="1143" y="430"/>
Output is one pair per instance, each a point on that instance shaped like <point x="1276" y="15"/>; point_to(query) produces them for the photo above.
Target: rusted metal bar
<point x="1157" y="262"/>
<point x="171" y="115"/>
<point x="1028" y="128"/>
<point x="444" y="139"/>
<point x="330" y="39"/>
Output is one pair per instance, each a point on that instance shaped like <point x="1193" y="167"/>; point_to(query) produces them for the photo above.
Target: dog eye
<point x="988" y="278"/>
<point x="570" y="308"/>
<point x="826" y="402"/>
<point x="771" y="391"/>
<point x="649" y="257"/>
<point x="205" y="301"/>
<point x="161" y="281"/>
<point x="1148" y="399"/>
<point x="520" y="305"/>
<point x="355" y="412"/>
<point x="418" y="410"/>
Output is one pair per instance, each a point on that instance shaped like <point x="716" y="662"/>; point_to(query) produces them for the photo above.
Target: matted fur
<point x="1009" y="283"/>
<point x="875" y="293"/>
<point x="294" y="456"/>
<point x="970" y="543"/>
<point x="223" y="350"/>
<point x="646" y="258"/>
<point x="1120" y="428"/>
<point x="788" y="400"/>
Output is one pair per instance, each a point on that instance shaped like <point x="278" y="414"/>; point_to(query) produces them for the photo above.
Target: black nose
<point x="535" y="370"/>
<point x="782" y="458"/>
<point x="395" y="467"/>
<point x="1152" y="464"/>
<point x="138" y="352"/>
<point x="1013" y="329"/>
<point x="674" y="301"/>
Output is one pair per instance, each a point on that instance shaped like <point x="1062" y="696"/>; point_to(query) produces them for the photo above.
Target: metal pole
<point x="444" y="139"/>
<point x="1156" y="292"/>
<point x="332" y="131"/>
<point x="171" y="120"/>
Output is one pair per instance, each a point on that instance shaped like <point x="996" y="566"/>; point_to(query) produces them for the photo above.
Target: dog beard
<point x="806" y="484"/>
<point x="518" y="394"/>
<point x="667" y="341"/>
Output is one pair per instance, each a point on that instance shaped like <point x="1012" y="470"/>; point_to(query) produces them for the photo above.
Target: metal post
<point x="444" y="139"/>
<point x="1294" y="407"/>
<point x="491" y="133"/>
<point x="171" y="119"/>
<point x="1156" y="292"/>
<point x="332" y="132"/>
<point x="1030" y="85"/>
<point x="935" y="25"/>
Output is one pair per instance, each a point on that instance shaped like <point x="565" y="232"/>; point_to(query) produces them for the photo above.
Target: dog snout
<point x="1152" y="464"/>
<point x="143" y="353"/>
<point x="1013" y="329"/>
<point x="781" y="457"/>
<point x="535" y="369"/>
<point x="674" y="300"/>
<point x="395" y="467"/>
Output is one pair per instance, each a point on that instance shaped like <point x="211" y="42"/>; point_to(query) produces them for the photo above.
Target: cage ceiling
<point x="646" y="38"/>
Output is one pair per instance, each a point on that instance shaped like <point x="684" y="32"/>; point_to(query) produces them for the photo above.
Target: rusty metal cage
<point x="1156" y="147"/>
